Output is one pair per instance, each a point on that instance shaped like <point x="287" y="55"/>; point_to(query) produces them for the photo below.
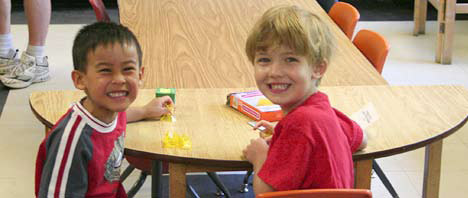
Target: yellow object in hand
<point x="266" y="133"/>
<point x="168" y="117"/>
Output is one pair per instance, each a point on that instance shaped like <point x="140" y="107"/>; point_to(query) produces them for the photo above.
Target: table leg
<point x="432" y="164"/>
<point x="420" y="16"/>
<point x="177" y="180"/>
<point x="156" y="183"/>
<point x="362" y="178"/>
<point x="47" y="130"/>
<point x="446" y="22"/>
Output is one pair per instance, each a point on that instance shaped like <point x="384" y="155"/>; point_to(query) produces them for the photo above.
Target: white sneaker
<point x="9" y="62"/>
<point x="29" y="70"/>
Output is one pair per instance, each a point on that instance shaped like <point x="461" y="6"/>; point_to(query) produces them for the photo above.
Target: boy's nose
<point x="118" y="78"/>
<point x="276" y="70"/>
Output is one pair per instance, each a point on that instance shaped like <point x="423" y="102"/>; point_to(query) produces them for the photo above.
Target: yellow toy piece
<point x="266" y="133"/>
<point x="264" y="102"/>
<point x="174" y="140"/>
<point x="168" y="117"/>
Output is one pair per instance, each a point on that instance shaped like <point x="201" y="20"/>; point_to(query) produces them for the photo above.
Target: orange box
<point x="255" y="105"/>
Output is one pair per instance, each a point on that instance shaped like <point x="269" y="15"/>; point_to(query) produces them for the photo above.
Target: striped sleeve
<point x="63" y="151"/>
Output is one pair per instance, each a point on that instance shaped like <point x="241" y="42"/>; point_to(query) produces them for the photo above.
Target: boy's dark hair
<point x="101" y="33"/>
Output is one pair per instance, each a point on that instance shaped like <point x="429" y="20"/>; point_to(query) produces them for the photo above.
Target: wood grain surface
<point x="410" y="117"/>
<point x="200" y="43"/>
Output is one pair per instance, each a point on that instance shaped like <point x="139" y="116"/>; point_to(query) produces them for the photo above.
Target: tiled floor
<point x="411" y="61"/>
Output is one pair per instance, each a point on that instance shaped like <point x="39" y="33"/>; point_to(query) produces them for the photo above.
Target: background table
<point x="200" y="43"/>
<point x="446" y="11"/>
<point x="410" y="117"/>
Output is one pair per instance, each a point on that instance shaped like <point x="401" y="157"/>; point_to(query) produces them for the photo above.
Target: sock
<point x="6" y="43"/>
<point x="36" y="51"/>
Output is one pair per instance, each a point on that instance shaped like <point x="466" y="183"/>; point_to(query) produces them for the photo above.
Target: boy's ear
<point x="78" y="79"/>
<point x="319" y="69"/>
<point x="140" y="76"/>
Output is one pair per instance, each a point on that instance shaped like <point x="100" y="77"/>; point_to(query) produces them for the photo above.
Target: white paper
<point x="365" y="116"/>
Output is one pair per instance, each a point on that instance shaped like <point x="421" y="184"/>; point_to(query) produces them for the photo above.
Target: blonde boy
<point x="81" y="156"/>
<point x="312" y="145"/>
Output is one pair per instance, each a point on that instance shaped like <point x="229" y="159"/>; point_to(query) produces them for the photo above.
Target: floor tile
<point x="452" y="184"/>
<point x="401" y="183"/>
<point x="21" y="190"/>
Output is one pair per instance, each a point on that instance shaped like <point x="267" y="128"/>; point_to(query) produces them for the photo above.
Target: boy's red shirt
<point x="312" y="148"/>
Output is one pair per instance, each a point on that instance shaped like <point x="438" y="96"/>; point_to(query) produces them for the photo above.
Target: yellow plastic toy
<point x="174" y="140"/>
<point x="168" y="117"/>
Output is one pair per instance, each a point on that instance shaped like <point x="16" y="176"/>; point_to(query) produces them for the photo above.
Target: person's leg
<point x="38" y="16"/>
<point x="7" y="52"/>
<point x="33" y="66"/>
<point x="5" y="12"/>
<point x="6" y="41"/>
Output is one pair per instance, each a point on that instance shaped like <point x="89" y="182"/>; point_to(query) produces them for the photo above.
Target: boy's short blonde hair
<point x="299" y="29"/>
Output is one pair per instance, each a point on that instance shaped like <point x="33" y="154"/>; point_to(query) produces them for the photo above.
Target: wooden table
<point x="410" y="117"/>
<point x="446" y="10"/>
<point x="201" y="43"/>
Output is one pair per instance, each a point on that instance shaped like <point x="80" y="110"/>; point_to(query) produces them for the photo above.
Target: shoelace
<point x="23" y="67"/>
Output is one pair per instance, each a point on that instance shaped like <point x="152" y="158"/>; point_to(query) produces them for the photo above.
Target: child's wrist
<point x="259" y="163"/>
<point x="145" y="112"/>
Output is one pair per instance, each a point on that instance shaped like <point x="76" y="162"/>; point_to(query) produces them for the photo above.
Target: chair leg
<point x="156" y="178"/>
<point x="127" y="172"/>
<point x="192" y="191"/>
<point x="136" y="187"/>
<point x="245" y="185"/>
<point x="384" y="179"/>
<point x="215" y="178"/>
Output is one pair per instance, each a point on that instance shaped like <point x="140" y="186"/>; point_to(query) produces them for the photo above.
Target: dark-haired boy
<point x="82" y="155"/>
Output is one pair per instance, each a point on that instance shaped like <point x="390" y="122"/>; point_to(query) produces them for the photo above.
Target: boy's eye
<point x="291" y="59"/>
<point x="104" y="70"/>
<point x="264" y="60"/>
<point x="129" y="68"/>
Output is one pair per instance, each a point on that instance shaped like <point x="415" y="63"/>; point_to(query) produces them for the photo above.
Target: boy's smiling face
<point x="284" y="77"/>
<point x="111" y="80"/>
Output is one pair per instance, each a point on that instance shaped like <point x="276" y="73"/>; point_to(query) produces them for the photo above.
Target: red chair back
<point x="100" y="10"/>
<point x="345" y="16"/>
<point x="144" y="165"/>
<point x="319" y="193"/>
<point x="373" y="46"/>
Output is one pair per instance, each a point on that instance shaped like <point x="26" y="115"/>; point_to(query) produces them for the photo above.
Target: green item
<point x="166" y="92"/>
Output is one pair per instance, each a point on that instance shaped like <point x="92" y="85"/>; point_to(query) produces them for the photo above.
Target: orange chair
<point x="319" y="193"/>
<point x="374" y="47"/>
<point x="345" y="16"/>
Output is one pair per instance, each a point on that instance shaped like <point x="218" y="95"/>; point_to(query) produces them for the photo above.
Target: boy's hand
<point x="364" y="140"/>
<point x="269" y="129"/>
<point x="256" y="151"/>
<point x="268" y="125"/>
<point x="157" y="107"/>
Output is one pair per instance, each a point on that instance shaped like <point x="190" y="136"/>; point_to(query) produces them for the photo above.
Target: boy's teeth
<point x="281" y="86"/>
<point x="117" y="94"/>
